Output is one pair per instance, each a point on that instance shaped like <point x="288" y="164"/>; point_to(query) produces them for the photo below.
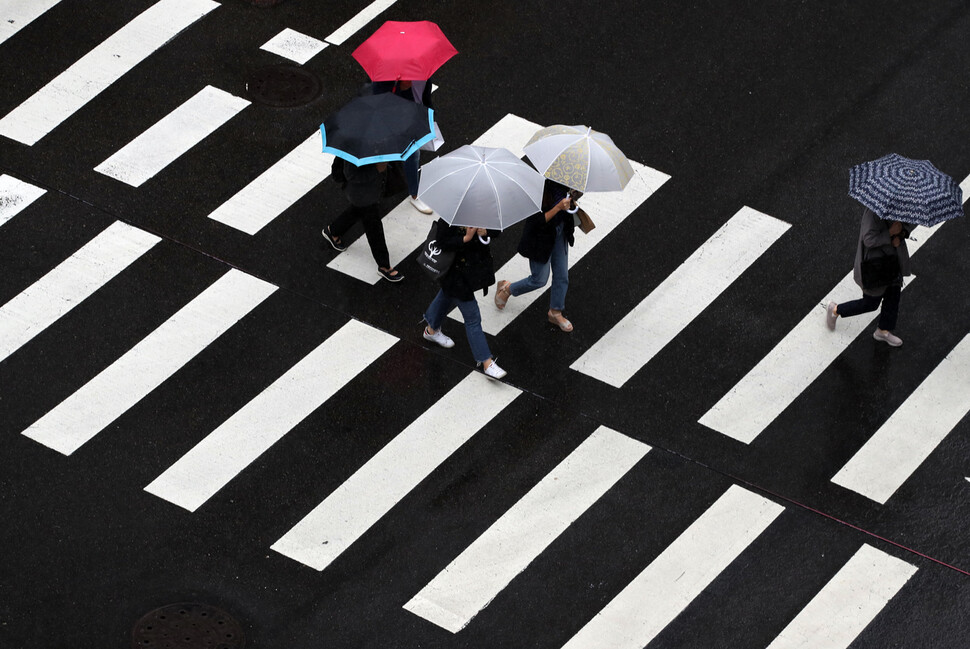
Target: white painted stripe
<point x="277" y="188"/>
<point x="15" y="195"/>
<point x="911" y="433"/>
<point x="849" y="602"/>
<point x="67" y="285"/>
<point x="394" y="471"/>
<point x="487" y="566"/>
<point x="17" y="14"/>
<point x="788" y="369"/>
<point x="353" y="25"/>
<point x="101" y="67"/>
<point x="965" y="187"/>
<point x="607" y="209"/>
<point x="682" y="571"/>
<point x="253" y="429"/>
<point x="149" y="363"/>
<point x="680" y="298"/>
<point x="172" y="136"/>
<point x="511" y="132"/>
<point x="294" y="46"/>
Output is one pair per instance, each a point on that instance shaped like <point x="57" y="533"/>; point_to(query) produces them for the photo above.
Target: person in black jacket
<point x="471" y="271"/>
<point x="545" y="243"/>
<point x="420" y="93"/>
<point x="364" y="189"/>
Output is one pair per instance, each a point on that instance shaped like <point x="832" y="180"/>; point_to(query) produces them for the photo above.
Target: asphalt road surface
<point x="219" y="432"/>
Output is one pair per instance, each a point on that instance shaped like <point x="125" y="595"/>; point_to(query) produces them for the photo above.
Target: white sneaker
<point x="440" y="338"/>
<point x="494" y="371"/>
<point x="420" y="205"/>
<point x="887" y="337"/>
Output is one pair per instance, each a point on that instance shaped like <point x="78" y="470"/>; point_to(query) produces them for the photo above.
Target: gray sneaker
<point x="887" y="337"/>
<point x="831" y="316"/>
<point x="440" y="338"/>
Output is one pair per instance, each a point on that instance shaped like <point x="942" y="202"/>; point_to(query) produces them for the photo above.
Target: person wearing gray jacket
<point x="877" y="237"/>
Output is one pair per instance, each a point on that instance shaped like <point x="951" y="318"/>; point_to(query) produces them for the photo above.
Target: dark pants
<point x="888" y="314"/>
<point x="370" y="216"/>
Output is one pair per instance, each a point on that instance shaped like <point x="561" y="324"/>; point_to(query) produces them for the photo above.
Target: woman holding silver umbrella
<point x="574" y="160"/>
<point x="478" y="192"/>
<point x="471" y="271"/>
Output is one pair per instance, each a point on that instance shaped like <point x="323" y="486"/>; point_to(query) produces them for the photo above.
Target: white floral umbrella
<point x="579" y="158"/>
<point x="481" y="187"/>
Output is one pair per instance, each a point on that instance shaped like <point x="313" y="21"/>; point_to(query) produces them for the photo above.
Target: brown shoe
<point x="502" y="294"/>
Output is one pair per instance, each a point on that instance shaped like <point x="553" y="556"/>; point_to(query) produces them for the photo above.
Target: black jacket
<point x="472" y="269"/>
<point x="539" y="235"/>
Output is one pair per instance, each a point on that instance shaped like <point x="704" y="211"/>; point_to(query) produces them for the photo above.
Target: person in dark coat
<point x="879" y="237"/>
<point x="420" y="93"/>
<point x="545" y="243"/>
<point x="472" y="270"/>
<point x="364" y="190"/>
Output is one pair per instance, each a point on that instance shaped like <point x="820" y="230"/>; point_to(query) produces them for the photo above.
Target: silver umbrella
<point x="580" y="158"/>
<point x="481" y="187"/>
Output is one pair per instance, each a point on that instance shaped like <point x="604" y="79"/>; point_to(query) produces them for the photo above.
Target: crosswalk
<point x="713" y="541"/>
<point x="710" y="544"/>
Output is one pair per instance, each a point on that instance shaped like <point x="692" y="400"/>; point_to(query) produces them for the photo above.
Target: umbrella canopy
<point x="404" y="50"/>
<point x="580" y="158"/>
<point x="481" y="187"/>
<point x="910" y="191"/>
<point x="377" y="128"/>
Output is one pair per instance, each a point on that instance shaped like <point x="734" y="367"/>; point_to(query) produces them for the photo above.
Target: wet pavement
<point x="317" y="413"/>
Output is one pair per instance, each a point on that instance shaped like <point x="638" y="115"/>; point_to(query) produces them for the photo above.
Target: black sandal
<point x="334" y="241"/>
<point x="386" y="274"/>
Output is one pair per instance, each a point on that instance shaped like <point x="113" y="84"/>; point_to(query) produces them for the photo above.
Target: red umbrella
<point x="404" y="50"/>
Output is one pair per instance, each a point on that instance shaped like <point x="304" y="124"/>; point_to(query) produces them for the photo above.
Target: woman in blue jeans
<point x="545" y="243"/>
<point x="472" y="270"/>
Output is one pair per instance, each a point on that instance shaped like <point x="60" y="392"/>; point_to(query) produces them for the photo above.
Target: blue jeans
<point x="411" y="165"/>
<point x="442" y="305"/>
<point x="559" y="265"/>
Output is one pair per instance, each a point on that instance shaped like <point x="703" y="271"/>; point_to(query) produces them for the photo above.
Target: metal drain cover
<point x="187" y="626"/>
<point x="283" y="86"/>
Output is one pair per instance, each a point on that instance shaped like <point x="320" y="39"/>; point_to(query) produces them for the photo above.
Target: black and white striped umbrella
<point x="910" y="191"/>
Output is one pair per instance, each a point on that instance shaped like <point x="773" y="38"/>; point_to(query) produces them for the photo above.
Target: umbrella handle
<point x="486" y="240"/>
<point x="574" y="210"/>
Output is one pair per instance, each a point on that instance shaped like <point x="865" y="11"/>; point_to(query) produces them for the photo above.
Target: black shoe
<point x="386" y="274"/>
<point x="339" y="247"/>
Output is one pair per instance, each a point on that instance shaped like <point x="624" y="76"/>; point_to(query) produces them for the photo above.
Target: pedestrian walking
<point x="545" y="242"/>
<point x="882" y="242"/>
<point x="418" y="91"/>
<point x="471" y="271"/>
<point x="364" y="189"/>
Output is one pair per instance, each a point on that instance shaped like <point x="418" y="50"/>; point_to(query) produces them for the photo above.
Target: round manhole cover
<point x="187" y="626"/>
<point x="283" y="86"/>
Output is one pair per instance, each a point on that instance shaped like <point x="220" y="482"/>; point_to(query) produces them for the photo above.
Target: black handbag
<point x="878" y="268"/>
<point x="434" y="261"/>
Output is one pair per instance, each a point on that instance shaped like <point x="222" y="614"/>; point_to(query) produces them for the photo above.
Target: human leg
<point x="411" y="176"/>
<point x="538" y="276"/>
<point x="890" y="308"/>
<point x="473" y="329"/>
<point x="559" y="263"/>
<point x="865" y="304"/>
<point x="344" y="221"/>
<point x="374" y="229"/>
<point x="440" y="306"/>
